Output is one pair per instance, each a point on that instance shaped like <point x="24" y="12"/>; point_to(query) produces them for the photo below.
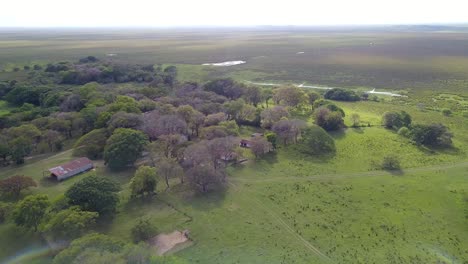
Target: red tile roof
<point x="70" y="166"/>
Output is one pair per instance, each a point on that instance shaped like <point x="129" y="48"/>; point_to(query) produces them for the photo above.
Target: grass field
<point x="290" y="207"/>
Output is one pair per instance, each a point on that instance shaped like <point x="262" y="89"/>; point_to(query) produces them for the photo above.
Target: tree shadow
<point x="338" y="134"/>
<point x="212" y="199"/>
<point x="396" y="172"/>
<point x="358" y="130"/>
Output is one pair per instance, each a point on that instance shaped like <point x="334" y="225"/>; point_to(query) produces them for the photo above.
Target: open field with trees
<point x="248" y="173"/>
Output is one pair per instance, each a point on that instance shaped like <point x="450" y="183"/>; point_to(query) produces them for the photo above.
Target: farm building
<point x="244" y="143"/>
<point x="71" y="168"/>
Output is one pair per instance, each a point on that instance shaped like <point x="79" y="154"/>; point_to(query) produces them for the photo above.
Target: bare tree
<point x="201" y="177"/>
<point x="169" y="168"/>
<point x="260" y="146"/>
<point x="272" y="115"/>
<point x="288" y="130"/>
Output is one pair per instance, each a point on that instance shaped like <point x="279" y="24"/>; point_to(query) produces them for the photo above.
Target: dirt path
<point x="352" y="175"/>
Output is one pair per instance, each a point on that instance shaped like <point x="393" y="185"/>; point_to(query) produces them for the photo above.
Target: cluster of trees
<point x="432" y="135"/>
<point x="68" y="216"/>
<point x="340" y="94"/>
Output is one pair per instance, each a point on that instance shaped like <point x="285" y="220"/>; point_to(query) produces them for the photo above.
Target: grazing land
<point x="282" y="206"/>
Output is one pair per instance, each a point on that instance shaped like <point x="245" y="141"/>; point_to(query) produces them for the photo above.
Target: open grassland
<point x="416" y="61"/>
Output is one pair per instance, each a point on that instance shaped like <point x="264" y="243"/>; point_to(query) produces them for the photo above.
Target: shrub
<point x="446" y="112"/>
<point x="404" y="131"/>
<point x="143" y="230"/>
<point x="391" y="162"/>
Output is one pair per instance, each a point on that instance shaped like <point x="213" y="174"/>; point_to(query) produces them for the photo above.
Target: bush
<point x="396" y="120"/>
<point x="143" y="230"/>
<point x="404" y="131"/>
<point x="391" y="162"/>
<point x="446" y="112"/>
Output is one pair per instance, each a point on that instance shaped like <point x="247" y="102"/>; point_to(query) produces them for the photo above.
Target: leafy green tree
<point x="124" y="147"/>
<point x="70" y="223"/>
<point x="91" y="145"/>
<point x="144" y="181"/>
<point x="125" y="104"/>
<point x="434" y="135"/>
<point x="328" y="120"/>
<point x="168" y="168"/>
<point x="15" y="184"/>
<point x="30" y="211"/>
<point x="315" y="141"/>
<point x="95" y="194"/>
<point x="20" y="148"/>
<point x="143" y="230"/>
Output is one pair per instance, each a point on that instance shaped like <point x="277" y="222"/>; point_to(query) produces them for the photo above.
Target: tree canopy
<point x="95" y="194"/>
<point x="124" y="147"/>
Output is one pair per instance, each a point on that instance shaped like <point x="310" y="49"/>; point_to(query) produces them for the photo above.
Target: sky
<point x="173" y="13"/>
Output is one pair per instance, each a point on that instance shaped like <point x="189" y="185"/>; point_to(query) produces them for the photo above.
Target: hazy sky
<point x="161" y="13"/>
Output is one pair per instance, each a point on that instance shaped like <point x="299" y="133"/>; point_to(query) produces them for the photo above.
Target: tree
<point x="124" y="147"/>
<point x="203" y="177"/>
<point x="226" y="87"/>
<point x="15" y="184"/>
<point x="327" y="119"/>
<point x="272" y="115"/>
<point x="434" y="135"/>
<point x="340" y="94"/>
<point x="70" y="223"/>
<point x="312" y="97"/>
<point x="124" y="120"/>
<point x="91" y="144"/>
<point x="253" y="95"/>
<point x="30" y="211"/>
<point x="290" y="96"/>
<point x="169" y="168"/>
<point x="288" y="130"/>
<point x="143" y="230"/>
<point x="53" y="139"/>
<point x="446" y="112"/>
<point x="95" y="194"/>
<point x="315" y="141"/>
<point x="20" y="148"/>
<point x="355" y="118"/>
<point x="260" y="146"/>
<point x="4" y="151"/>
<point x="396" y="120"/>
<point x="144" y="181"/>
